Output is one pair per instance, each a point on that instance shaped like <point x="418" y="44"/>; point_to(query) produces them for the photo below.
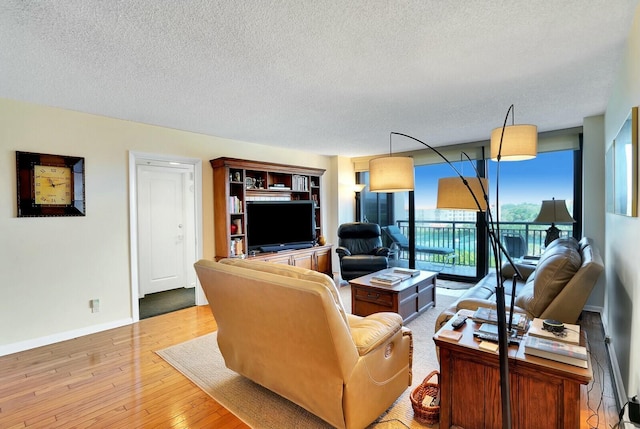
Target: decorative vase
<point x="238" y="225"/>
<point x="321" y="240"/>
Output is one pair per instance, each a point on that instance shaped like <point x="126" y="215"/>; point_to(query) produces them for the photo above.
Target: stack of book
<point x="280" y="186"/>
<point x="489" y="315"/>
<point x="412" y="272"/>
<point x="570" y="334"/>
<point x="556" y="350"/>
<point x="389" y="279"/>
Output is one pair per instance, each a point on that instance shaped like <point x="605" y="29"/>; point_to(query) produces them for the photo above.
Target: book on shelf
<point x="570" y="334"/>
<point x="557" y="351"/>
<point x="299" y="183"/>
<point x="409" y="271"/>
<point x="490" y="315"/>
<point x="235" y="204"/>
<point x="388" y="279"/>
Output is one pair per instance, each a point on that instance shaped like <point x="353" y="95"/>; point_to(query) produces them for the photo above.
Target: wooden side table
<point x="409" y="298"/>
<point x="544" y="393"/>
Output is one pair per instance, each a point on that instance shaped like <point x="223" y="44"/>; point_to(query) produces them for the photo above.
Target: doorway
<point x="165" y="201"/>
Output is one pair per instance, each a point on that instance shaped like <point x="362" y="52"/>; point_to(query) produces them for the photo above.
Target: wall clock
<point x="49" y="185"/>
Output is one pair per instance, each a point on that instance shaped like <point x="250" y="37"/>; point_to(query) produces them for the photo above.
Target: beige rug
<point x="200" y="361"/>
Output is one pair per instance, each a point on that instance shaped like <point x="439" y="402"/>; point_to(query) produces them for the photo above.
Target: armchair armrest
<point x="525" y="269"/>
<point x="342" y="251"/>
<point x="371" y="331"/>
<point x="380" y="251"/>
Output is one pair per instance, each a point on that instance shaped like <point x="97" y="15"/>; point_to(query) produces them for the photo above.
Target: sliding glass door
<point x="453" y="242"/>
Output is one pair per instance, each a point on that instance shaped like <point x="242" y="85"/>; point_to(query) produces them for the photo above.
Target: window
<point x="523" y="187"/>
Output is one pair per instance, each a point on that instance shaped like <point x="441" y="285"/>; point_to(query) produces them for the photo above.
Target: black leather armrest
<point x="342" y="251"/>
<point x="380" y="251"/>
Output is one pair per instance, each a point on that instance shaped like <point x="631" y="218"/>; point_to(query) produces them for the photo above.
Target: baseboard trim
<point x="618" y="385"/>
<point x="594" y="309"/>
<point x="21" y="346"/>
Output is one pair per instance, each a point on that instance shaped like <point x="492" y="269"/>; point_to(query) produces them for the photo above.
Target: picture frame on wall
<point x="608" y="178"/>
<point x="625" y="167"/>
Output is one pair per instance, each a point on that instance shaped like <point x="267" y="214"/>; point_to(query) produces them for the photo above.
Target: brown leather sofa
<point x="556" y="288"/>
<point x="286" y="329"/>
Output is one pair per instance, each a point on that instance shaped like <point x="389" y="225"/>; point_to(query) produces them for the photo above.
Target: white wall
<point x="345" y="208"/>
<point x="593" y="218"/>
<point x="52" y="267"/>
<point x="623" y="233"/>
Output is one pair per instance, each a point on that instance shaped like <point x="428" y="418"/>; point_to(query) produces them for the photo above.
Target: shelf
<point x="231" y="176"/>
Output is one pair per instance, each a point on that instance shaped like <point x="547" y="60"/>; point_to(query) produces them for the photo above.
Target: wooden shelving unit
<point x="236" y="181"/>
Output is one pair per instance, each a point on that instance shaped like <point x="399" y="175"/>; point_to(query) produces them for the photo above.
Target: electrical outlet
<point x="95" y="305"/>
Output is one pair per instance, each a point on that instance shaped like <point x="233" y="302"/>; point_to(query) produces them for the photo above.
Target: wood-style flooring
<point x="114" y="379"/>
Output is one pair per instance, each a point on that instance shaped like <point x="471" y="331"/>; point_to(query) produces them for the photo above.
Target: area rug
<point x="200" y="361"/>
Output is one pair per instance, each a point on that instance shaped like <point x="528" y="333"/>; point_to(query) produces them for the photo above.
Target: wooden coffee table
<point x="409" y="298"/>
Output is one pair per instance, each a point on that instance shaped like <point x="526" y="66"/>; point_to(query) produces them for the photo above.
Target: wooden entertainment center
<point x="236" y="181"/>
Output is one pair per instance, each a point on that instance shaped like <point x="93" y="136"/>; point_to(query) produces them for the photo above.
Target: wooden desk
<point x="544" y="393"/>
<point x="409" y="298"/>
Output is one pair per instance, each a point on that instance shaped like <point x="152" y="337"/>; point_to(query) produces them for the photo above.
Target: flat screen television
<point x="280" y="225"/>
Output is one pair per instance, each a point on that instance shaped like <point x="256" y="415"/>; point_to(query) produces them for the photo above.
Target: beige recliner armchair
<point x="286" y="329"/>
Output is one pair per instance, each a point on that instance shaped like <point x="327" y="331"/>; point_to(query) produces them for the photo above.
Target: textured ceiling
<point x="331" y="77"/>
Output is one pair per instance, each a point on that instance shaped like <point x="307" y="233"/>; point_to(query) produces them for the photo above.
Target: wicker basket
<point x="427" y="413"/>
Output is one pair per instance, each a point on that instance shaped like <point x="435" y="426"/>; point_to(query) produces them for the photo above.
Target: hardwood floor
<point x="111" y="379"/>
<point x="115" y="379"/>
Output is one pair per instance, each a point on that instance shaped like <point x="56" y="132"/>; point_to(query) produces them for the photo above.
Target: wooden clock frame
<point x="26" y="192"/>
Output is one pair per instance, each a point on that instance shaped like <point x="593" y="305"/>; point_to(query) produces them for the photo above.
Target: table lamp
<point x="553" y="211"/>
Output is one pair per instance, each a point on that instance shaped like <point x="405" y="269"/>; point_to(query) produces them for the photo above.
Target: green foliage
<point x="523" y="212"/>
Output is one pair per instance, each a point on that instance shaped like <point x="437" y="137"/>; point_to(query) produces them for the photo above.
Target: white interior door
<point x="161" y="229"/>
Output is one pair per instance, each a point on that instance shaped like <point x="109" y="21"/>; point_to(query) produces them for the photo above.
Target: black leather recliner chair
<point x="360" y="249"/>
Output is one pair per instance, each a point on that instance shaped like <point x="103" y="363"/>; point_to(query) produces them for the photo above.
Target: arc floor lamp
<point x="508" y="143"/>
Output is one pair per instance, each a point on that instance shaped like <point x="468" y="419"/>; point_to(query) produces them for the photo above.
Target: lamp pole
<point x="395" y="174"/>
<point x="498" y="250"/>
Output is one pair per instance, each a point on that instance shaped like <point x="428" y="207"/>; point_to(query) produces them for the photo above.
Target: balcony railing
<point x="462" y="238"/>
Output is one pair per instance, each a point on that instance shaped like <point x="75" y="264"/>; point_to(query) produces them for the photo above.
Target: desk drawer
<point x="374" y="296"/>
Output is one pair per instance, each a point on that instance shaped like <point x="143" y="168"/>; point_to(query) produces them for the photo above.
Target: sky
<point x="548" y="175"/>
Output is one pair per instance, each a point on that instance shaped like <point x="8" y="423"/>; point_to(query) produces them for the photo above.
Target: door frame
<point x="136" y="158"/>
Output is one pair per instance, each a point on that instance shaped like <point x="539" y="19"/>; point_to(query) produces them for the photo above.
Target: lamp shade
<point x="391" y="174"/>
<point x="553" y="211"/>
<point x="453" y="194"/>
<point x="519" y="142"/>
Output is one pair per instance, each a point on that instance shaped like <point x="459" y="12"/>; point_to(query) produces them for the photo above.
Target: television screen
<point x="280" y="225"/>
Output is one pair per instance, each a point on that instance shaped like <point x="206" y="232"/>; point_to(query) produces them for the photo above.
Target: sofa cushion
<point x="293" y="272"/>
<point x="557" y="265"/>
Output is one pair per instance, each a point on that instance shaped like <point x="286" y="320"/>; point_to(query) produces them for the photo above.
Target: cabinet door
<point x="279" y="259"/>
<point x="323" y="261"/>
<point x="304" y="260"/>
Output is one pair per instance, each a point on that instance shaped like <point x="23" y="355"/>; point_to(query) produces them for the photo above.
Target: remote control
<point x="486" y="336"/>
<point x="458" y="321"/>
<point x="494" y="338"/>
